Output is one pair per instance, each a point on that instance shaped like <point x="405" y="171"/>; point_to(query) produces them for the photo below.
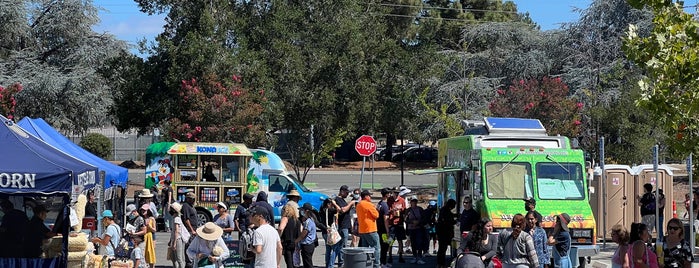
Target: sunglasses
<point x="673" y="228"/>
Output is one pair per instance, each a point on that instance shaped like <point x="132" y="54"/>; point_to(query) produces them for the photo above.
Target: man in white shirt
<point x="264" y="240"/>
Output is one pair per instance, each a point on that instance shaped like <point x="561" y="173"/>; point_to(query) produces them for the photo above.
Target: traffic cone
<point x="674" y="209"/>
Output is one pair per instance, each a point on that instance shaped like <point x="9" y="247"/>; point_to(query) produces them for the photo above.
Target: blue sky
<point x="123" y="19"/>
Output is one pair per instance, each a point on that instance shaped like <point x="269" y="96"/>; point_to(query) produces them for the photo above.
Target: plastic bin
<point x="358" y="257"/>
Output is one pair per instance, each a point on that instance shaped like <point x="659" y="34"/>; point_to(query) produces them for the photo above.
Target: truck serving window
<point x="560" y="181"/>
<point x="508" y="180"/>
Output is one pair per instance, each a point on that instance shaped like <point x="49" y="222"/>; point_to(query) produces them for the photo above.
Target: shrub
<point x="97" y="144"/>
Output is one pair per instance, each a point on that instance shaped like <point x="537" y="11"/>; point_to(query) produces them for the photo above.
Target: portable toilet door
<point x="619" y="200"/>
<point x="645" y="174"/>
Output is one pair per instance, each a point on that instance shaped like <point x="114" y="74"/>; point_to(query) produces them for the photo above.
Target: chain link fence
<point x="125" y="145"/>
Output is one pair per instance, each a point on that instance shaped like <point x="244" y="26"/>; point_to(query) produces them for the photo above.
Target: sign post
<point x="365" y="146"/>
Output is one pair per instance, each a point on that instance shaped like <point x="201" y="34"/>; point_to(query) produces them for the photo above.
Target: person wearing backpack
<point x="111" y="236"/>
<point x="647" y="203"/>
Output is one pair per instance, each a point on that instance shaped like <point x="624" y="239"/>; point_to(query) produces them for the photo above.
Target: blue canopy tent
<point x="115" y="175"/>
<point x="30" y="167"/>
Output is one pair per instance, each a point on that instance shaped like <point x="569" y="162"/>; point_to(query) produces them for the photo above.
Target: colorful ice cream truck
<point x="223" y="172"/>
<point x="501" y="161"/>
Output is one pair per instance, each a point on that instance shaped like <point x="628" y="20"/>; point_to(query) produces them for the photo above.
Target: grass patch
<point x="312" y="184"/>
<point x="369" y="186"/>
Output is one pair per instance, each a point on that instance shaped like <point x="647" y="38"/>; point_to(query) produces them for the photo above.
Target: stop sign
<point x="365" y="145"/>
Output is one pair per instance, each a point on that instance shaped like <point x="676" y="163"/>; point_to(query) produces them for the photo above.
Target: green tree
<point x="587" y="55"/>
<point x="547" y="99"/>
<point x="669" y="55"/>
<point x="53" y="52"/>
<point x="97" y="144"/>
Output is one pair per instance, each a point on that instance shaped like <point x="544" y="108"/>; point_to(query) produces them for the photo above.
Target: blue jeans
<point x="371" y="240"/>
<point x="330" y="253"/>
<point x="344" y="234"/>
<point x="560" y="261"/>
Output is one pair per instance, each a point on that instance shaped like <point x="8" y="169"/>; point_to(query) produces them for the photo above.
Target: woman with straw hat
<point x="208" y="247"/>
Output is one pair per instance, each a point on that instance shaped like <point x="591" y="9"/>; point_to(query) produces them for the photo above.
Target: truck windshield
<point x="297" y="182"/>
<point x="560" y="181"/>
<point x="508" y="180"/>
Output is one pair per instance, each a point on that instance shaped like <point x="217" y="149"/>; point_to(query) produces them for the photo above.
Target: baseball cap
<point x="130" y="208"/>
<point x="385" y="191"/>
<point x="365" y="193"/>
<point x="247" y="196"/>
<point x="259" y="211"/>
<point x="107" y="214"/>
<point x="530" y="200"/>
<point x="344" y="188"/>
<point x="191" y="195"/>
<point x="307" y="206"/>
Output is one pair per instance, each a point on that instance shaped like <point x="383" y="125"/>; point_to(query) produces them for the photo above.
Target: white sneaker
<point x="412" y="261"/>
<point x="420" y="261"/>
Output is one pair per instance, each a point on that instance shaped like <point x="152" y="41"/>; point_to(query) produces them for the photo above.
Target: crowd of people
<point x="358" y="220"/>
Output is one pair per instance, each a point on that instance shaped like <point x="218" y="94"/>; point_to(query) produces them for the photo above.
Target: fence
<point x="125" y="145"/>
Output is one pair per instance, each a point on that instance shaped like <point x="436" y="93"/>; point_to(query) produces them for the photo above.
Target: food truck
<point x="501" y="161"/>
<point x="223" y="172"/>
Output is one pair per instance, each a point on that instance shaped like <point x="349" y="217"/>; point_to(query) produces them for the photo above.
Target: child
<point x="139" y="261"/>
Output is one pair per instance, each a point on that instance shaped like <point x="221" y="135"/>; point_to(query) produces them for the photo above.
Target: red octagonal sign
<point x="365" y="145"/>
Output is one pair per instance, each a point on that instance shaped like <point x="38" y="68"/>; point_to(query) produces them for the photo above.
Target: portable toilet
<point x="645" y="174"/>
<point x="619" y="185"/>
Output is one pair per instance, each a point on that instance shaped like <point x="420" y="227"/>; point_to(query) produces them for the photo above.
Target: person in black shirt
<point x="469" y="216"/>
<point x="189" y="214"/>
<point x="445" y="230"/>
<point x="328" y="211"/>
<point x="90" y="206"/>
<point x="262" y="202"/>
<point x="241" y="217"/>
<point x="37" y="232"/>
<point x="166" y="199"/>
<point x="382" y="225"/>
<point x="343" y="220"/>
<point x="13" y="228"/>
<point x="647" y="204"/>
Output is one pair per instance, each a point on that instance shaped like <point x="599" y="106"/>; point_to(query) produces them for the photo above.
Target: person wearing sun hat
<point x="293" y="195"/>
<point x="560" y="240"/>
<point x="111" y="235"/>
<point x="207" y="242"/>
<point x="178" y="236"/>
<point x="146" y="197"/>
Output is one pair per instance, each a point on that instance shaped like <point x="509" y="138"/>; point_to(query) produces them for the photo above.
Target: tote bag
<point x="333" y="235"/>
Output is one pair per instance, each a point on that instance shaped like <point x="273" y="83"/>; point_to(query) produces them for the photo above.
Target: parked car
<point x="396" y="150"/>
<point x="417" y="154"/>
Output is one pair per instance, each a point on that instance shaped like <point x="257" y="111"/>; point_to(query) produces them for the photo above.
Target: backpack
<point x="245" y="245"/>
<point x="650" y="202"/>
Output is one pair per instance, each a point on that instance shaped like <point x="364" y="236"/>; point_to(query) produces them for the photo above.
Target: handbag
<point x="296" y="258"/>
<point x="495" y="262"/>
<point x="169" y="254"/>
<point x="333" y="235"/>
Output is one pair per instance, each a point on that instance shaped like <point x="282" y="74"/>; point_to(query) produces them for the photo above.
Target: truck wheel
<point x="582" y="262"/>
<point x="203" y="216"/>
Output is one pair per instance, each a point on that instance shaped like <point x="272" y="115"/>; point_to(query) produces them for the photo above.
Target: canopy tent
<point x="31" y="167"/>
<point x="114" y="175"/>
